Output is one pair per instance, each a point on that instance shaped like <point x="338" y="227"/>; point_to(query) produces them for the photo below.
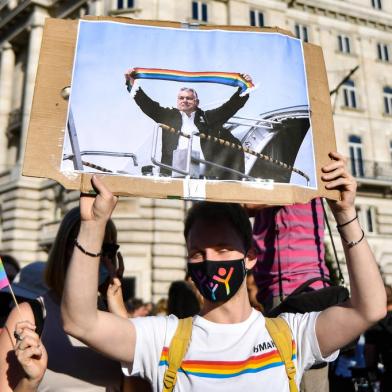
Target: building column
<point x="6" y="77"/>
<point x="36" y="30"/>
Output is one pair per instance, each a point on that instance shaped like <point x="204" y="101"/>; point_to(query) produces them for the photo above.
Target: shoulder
<point x="300" y="320"/>
<point x="156" y="324"/>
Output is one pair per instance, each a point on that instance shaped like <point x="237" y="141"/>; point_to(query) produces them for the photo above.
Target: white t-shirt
<point x="224" y="357"/>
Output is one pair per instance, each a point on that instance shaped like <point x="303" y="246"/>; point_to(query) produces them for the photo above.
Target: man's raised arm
<point x="107" y="333"/>
<point x="339" y="325"/>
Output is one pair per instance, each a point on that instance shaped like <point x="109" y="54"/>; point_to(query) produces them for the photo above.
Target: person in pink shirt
<point x="289" y="241"/>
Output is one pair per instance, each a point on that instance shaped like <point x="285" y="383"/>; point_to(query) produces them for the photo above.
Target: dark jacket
<point x="209" y="122"/>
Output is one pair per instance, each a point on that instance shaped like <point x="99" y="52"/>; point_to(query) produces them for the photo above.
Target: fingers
<point x="337" y="156"/>
<point x="338" y="160"/>
<point x="130" y="75"/>
<point x="101" y="188"/>
<point x="116" y="284"/>
<point x="100" y="207"/>
<point x="246" y="77"/>
<point x="339" y="183"/>
<point x="26" y="342"/>
<point x="104" y="193"/>
<point x="113" y="288"/>
<point x="22" y="329"/>
<point x="336" y="172"/>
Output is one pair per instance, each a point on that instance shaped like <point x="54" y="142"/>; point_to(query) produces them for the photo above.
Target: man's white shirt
<point x="189" y="128"/>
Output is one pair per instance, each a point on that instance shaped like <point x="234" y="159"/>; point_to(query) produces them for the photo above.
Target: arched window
<point x="356" y="159"/>
<point x="349" y="94"/>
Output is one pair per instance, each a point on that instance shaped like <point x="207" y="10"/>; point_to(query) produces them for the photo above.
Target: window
<point x="383" y="52"/>
<point x="388" y="100"/>
<point x="344" y="44"/>
<point x="369" y="219"/>
<point x="377" y="4"/>
<point x="256" y="18"/>
<point x="349" y="95"/>
<point x="301" y="32"/>
<point x="356" y="160"/>
<point x="367" y="216"/>
<point x="199" y="11"/>
<point x="125" y="4"/>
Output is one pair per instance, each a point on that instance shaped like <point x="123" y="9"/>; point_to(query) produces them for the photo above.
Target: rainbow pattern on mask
<point x="3" y="276"/>
<point x="228" y="369"/>
<point x="228" y="78"/>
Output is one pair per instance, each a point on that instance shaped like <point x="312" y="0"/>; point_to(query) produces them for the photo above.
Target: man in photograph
<point x="190" y="119"/>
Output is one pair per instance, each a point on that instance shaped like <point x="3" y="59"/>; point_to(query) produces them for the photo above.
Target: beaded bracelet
<point x="80" y="247"/>
<point x="346" y="223"/>
<point x="350" y="244"/>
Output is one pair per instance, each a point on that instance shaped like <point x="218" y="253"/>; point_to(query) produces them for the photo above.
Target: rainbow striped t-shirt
<point x="223" y="357"/>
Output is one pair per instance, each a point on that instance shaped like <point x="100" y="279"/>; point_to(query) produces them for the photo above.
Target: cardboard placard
<point x="219" y="113"/>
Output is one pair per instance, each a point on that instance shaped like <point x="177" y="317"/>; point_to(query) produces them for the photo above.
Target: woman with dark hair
<point x="70" y="364"/>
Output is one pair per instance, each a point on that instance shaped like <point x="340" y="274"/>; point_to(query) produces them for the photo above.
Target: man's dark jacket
<point x="209" y="122"/>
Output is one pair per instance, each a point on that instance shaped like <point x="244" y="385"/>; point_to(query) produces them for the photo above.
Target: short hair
<point x="61" y="251"/>
<point x="192" y="90"/>
<point x="212" y="211"/>
<point x="134" y="304"/>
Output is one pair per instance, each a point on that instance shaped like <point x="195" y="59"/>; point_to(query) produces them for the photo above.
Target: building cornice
<point x="344" y="11"/>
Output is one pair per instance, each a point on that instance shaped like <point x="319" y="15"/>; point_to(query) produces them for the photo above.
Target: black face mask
<point x="218" y="281"/>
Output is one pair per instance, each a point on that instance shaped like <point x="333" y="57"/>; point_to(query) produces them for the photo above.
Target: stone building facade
<point x="356" y="37"/>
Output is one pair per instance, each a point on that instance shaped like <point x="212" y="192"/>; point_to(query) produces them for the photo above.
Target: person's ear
<point x="250" y="259"/>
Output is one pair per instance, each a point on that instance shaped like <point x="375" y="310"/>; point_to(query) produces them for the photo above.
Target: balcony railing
<point x="372" y="170"/>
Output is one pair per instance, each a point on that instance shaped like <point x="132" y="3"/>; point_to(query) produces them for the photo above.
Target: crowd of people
<point x="73" y="330"/>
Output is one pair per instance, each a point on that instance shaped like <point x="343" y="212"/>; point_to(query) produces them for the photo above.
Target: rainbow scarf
<point x="227" y="78"/>
<point x="3" y="276"/>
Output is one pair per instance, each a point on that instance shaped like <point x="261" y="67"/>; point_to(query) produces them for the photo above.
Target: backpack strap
<point x="177" y="350"/>
<point x="281" y="335"/>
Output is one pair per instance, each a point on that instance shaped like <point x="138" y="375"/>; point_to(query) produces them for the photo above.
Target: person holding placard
<point x="230" y="347"/>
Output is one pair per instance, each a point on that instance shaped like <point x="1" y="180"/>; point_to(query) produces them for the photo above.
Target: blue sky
<point x="105" y="114"/>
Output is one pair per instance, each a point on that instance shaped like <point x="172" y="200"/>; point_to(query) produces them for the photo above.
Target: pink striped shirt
<point x="290" y="243"/>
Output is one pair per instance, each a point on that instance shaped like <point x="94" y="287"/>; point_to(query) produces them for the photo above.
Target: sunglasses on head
<point x="110" y="249"/>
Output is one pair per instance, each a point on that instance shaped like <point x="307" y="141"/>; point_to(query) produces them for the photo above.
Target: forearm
<point x="79" y="302"/>
<point x="366" y="285"/>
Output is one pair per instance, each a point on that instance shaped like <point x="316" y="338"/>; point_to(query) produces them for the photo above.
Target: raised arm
<point x="339" y="325"/>
<point x="103" y="331"/>
<point x="226" y="111"/>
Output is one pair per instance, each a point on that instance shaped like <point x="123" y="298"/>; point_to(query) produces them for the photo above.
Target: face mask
<point x="218" y="281"/>
<point x="103" y="274"/>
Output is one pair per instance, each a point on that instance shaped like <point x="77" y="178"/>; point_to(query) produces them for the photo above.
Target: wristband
<point x="346" y="223"/>
<point x="80" y="247"/>
<point x="350" y="244"/>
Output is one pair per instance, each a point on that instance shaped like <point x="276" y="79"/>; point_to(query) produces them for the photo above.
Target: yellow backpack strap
<point x="177" y="350"/>
<point x="281" y="335"/>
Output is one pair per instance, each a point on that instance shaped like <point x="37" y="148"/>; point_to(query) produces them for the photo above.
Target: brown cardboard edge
<point x="321" y="113"/>
<point x="49" y="111"/>
<point x="167" y="23"/>
<point x="45" y="135"/>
